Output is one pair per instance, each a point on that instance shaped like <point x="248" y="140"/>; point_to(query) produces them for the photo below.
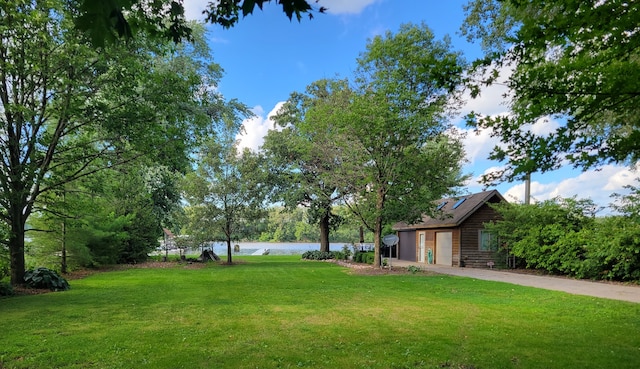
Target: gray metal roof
<point x="449" y="215"/>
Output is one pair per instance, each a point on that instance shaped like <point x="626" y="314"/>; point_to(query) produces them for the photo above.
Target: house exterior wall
<point x="465" y="226"/>
<point x="430" y="243"/>
<point x="465" y="240"/>
<point x="471" y="255"/>
<point x="407" y="245"/>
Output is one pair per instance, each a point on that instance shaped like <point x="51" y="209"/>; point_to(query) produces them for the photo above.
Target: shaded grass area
<point x="280" y="312"/>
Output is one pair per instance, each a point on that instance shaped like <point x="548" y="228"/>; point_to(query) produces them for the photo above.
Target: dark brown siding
<point x="407" y="245"/>
<point x="469" y="243"/>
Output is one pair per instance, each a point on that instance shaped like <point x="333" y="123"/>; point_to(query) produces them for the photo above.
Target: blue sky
<point x="266" y="57"/>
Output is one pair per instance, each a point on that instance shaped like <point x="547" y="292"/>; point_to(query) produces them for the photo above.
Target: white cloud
<point x="597" y="185"/>
<point x="474" y="183"/>
<point x="492" y="100"/>
<point x="478" y="145"/>
<point x="193" y="9"/>
<point x="539" y="192"/>
<point x="345" y="6"/>
<point x="543" y="126"/>
<point x="256" y="128"/>
<point x="617" y="181"/>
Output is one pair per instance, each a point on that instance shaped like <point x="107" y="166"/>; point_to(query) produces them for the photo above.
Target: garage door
<point x="444" y="248"/>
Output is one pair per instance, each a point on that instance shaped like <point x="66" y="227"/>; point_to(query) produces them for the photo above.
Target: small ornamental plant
<point x="45" y="278"/>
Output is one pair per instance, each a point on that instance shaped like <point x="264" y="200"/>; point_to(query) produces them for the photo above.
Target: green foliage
<point x="4" y="250"/>
<point x="573" y="61"/>
<point x="413" y="269"/>
<point x="45" y="278"/>
<point x="106" y="21"/>
<point x="346" y="252"/>
<point x="292" y="225"/>
<point x="112" y="106"/>
<point x="319" y="255"/>
<point x="226" y="192"/>
<point x="613" y="250"/>
<point x="628" y="204"/>
<point x="364" y="257"/>
<point x="405" y="88"/>
<point x="284" y="225"/>
<point x="227" y="13"/>
<point x="561" y="236"/>
<point x="6" y="289"/>
<point x="533" y="232"/>
<point x="305" y="154"/>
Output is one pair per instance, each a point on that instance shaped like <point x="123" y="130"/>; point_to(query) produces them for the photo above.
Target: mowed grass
<point x="280" y="312"/>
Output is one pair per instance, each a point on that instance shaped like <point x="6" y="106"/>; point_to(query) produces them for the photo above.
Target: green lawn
<point x="280" y="312"/>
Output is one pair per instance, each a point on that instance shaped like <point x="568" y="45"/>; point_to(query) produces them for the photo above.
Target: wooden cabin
<point x="456" y="236"/>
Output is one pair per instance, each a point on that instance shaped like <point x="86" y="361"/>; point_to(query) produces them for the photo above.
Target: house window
<point x="488" y="241"/>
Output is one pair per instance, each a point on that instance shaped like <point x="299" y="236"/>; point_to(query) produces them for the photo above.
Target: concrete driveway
<point x="605" y="290"/>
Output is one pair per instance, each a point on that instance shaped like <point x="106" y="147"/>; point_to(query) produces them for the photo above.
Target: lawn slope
<point x="280" y="312"/>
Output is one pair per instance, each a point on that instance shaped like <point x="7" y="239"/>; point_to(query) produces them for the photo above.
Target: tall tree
<point x="575" y="61"/>
<point x="69" y="108"/>
<point x="305" y="153"/>
<point x="226" y="192"/>
<point x="402" y="155"/>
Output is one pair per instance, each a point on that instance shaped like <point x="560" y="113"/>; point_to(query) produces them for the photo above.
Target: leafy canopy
<point x="305" y="153"/>
<point x="573" y="61"/>
<point x="402" y="153"/>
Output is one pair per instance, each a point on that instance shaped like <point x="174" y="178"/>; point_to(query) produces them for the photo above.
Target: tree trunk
<point x="16" y="248"/>
<point x="377" y="234"/>
<point x="229" y="260"/>
<point x="324" y="232"/>
<point x="63" y="263"/>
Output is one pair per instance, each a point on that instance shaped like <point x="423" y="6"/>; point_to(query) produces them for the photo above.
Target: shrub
<point x="358" y="257"/>
<point x="346" y="251"/>
<point x="6" y="289"/>
<point x="369" y="257"/>
<point x="339" y="255"/>
<point x="364" y="257"/>
<point x="318" y="255"/>
<point x="413" y="269"/>
<point x="613" y="250"/>
<point x="45" y="278"/>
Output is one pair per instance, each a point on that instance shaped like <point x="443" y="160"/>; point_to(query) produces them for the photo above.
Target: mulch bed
<point x="367" y="269"/>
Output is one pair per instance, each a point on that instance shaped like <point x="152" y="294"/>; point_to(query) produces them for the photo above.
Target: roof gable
<point x="453" y="211"/>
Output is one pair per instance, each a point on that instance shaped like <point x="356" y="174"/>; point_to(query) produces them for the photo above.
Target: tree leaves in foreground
<point x="107" y="20"/>
<point x="573" y="61"/>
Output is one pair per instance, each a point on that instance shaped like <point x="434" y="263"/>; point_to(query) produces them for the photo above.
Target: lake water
<point x="259" y="248"/>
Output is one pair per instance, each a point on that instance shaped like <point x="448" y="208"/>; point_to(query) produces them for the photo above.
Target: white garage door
<point x="444" y="248"/>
